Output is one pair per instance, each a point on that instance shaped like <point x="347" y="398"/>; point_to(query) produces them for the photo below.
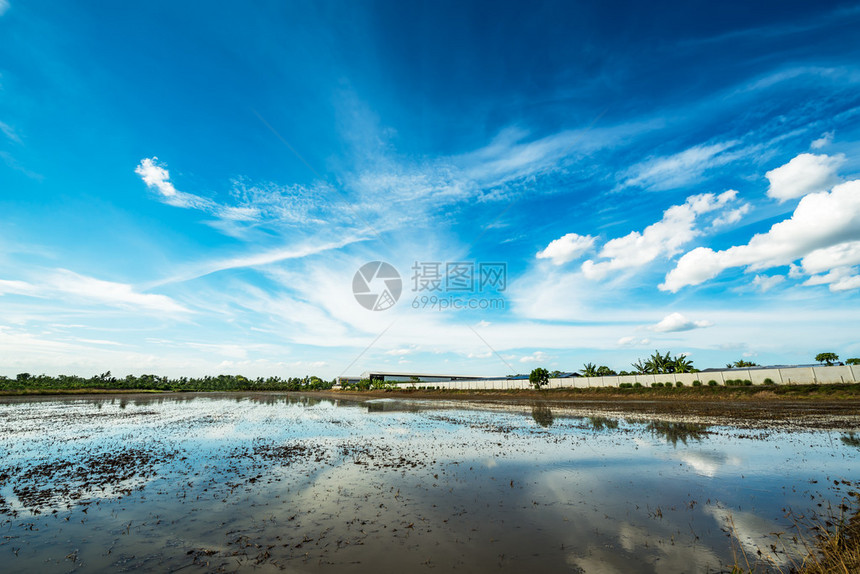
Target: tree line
<point x="106" y="381"/>
<point x="661" y="364"/>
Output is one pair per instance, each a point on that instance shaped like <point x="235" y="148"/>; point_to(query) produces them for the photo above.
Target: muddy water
<point x="272" y="482"/>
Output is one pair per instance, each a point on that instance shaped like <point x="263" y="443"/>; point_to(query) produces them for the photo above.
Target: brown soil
<point x="762" y="406"/>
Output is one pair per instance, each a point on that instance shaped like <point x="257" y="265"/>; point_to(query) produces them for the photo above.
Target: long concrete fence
<point x="787" y="376"/>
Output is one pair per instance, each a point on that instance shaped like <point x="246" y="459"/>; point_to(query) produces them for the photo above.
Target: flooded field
<point x="273" y="482"/>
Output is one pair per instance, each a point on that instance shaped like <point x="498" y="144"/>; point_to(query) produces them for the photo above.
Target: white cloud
<point x="63" y="283"/>
<point x="259" y="259"/>
<point x="400" y="352"/>
<point x="679" y="169"/>
<point x="841" y="255"/>
<point x="110" y="293"/>
<point x="731" y="216"/>
<point x="664" y="238"/>
<point x="6" y="128"/>
<point x="820" y="221"/>
<point x="825" y="140"/>
<point x="675" y="322"/>
<point x="765" y="283"/>
<point x="16" y="287"/>
<point x="536" y="357"/>
<point x="838" y="279"/>
<point x="566" y="248"/>
<point x="157" y="177"/>
<point x="807" y="173"/>
<point x="633" y="342"/>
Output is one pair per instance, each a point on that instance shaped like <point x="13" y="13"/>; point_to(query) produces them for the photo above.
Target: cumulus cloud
<point x="536" y="357"/>
<point x="679" y="169"/>
<point x="633" y="342"/>
<point x="157" y="178"/>
<point x="566" y="248"/>
<point x="765" y="283"/>
<point x="825" y="140"/>
<point x="731" y="216"/>
<point x="805" y="174"/>
<point x="400" y="352"/>
<point x="675" y="322"/>
<point x="841" y="255"/>
<point x="838" y="279"/>
<point x="823" y="227"/>
<point x="664" y="238"/>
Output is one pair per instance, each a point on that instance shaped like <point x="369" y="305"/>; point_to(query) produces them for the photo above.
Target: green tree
<point x="683" y="364"/>
<point x="740" y="364"/>
<point x="539" y="377"/>
<point x="589" y="370"/>
<point x="604" y="371"/>
<point x="640" y="367"/>
<point x="826" y="358"/>
<point x="660" y="364"/>
<point x="852" y="361"/>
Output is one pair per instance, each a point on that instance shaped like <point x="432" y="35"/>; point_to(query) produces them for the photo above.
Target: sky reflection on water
<point x="242" y="482"/>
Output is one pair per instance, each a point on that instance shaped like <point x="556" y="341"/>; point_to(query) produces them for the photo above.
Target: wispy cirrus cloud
<point x="670" y="172"/>
<point x="257" y="259"/>
<point x="68" y="285"/>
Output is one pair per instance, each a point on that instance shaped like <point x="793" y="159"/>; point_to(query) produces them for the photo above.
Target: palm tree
<point x="589" y="370"/>
<point x="659" y="364"/>
<point x="640" y="367"/>
<point x="683" y="364"/>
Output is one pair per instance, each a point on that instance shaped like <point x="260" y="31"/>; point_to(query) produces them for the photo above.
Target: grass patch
<point x="833" y="547"/>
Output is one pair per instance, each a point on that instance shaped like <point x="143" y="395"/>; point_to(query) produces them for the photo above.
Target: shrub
<point x="768" y="381"/>
<point x="626" y="385"/>
<point x="637" y="385"/>
<point x="655" y="385"/>
<point x="712" y="383"/>
<point x="697" y="383"/>
<point x="679" y="384"/>
<point x="747" y="383"/>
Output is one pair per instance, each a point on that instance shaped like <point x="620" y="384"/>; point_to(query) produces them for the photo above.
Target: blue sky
<point x="189" y="188"/>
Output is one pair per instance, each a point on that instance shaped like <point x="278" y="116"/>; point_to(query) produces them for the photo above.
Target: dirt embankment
<point x="810" y="409"/>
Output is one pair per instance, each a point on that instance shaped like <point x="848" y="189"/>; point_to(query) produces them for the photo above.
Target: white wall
<point x="790" y="376"/>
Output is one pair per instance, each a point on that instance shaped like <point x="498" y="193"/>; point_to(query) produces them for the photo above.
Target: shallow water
<point x="272" y="482"/>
